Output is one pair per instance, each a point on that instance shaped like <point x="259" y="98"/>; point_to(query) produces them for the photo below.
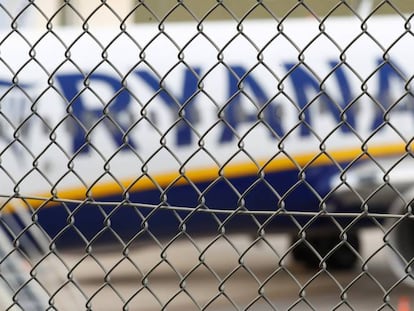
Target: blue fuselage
<point x="283" y="201"/>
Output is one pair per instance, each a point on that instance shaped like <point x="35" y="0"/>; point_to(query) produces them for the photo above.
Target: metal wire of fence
<point x="118" y="136"/>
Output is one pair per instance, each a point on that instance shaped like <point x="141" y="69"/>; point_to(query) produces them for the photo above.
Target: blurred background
<point x="112" y="11"/>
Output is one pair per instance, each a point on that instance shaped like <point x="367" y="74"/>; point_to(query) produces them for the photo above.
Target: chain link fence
<point x="182" y="155"/>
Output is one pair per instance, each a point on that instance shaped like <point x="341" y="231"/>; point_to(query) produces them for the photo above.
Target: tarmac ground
<point x="231" y="275"/>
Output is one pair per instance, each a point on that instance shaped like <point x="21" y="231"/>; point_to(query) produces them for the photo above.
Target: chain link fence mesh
<point x="204" y="146"/>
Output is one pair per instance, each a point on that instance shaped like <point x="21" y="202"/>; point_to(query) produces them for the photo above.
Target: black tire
<point x="343" y="258"/>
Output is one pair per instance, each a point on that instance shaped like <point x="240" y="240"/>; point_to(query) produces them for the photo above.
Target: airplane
<point x="301" y="126"/>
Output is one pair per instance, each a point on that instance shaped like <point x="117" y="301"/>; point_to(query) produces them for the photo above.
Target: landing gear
<point x="340" y="258"/>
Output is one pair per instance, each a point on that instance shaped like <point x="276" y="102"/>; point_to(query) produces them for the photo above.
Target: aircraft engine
<point x="400" y="238"/>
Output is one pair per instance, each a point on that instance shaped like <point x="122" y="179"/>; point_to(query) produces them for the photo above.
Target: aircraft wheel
<point x="342" y="258"/>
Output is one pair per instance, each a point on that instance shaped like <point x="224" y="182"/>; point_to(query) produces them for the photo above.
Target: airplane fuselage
<point x="136" y="135"/>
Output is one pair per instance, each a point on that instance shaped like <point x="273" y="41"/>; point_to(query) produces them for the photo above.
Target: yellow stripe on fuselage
<point x="198" y="175"/>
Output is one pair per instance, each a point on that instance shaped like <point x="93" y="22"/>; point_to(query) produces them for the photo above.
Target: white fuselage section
<point x="79" y="108"/>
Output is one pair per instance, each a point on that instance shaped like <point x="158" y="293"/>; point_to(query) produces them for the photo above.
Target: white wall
<point x="33" y="18"/>
<point x="103" y="16"/>
<point x="13" y="8"/>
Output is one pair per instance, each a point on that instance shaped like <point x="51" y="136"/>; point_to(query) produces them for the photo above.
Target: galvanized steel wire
<point x="35" y="254"/>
